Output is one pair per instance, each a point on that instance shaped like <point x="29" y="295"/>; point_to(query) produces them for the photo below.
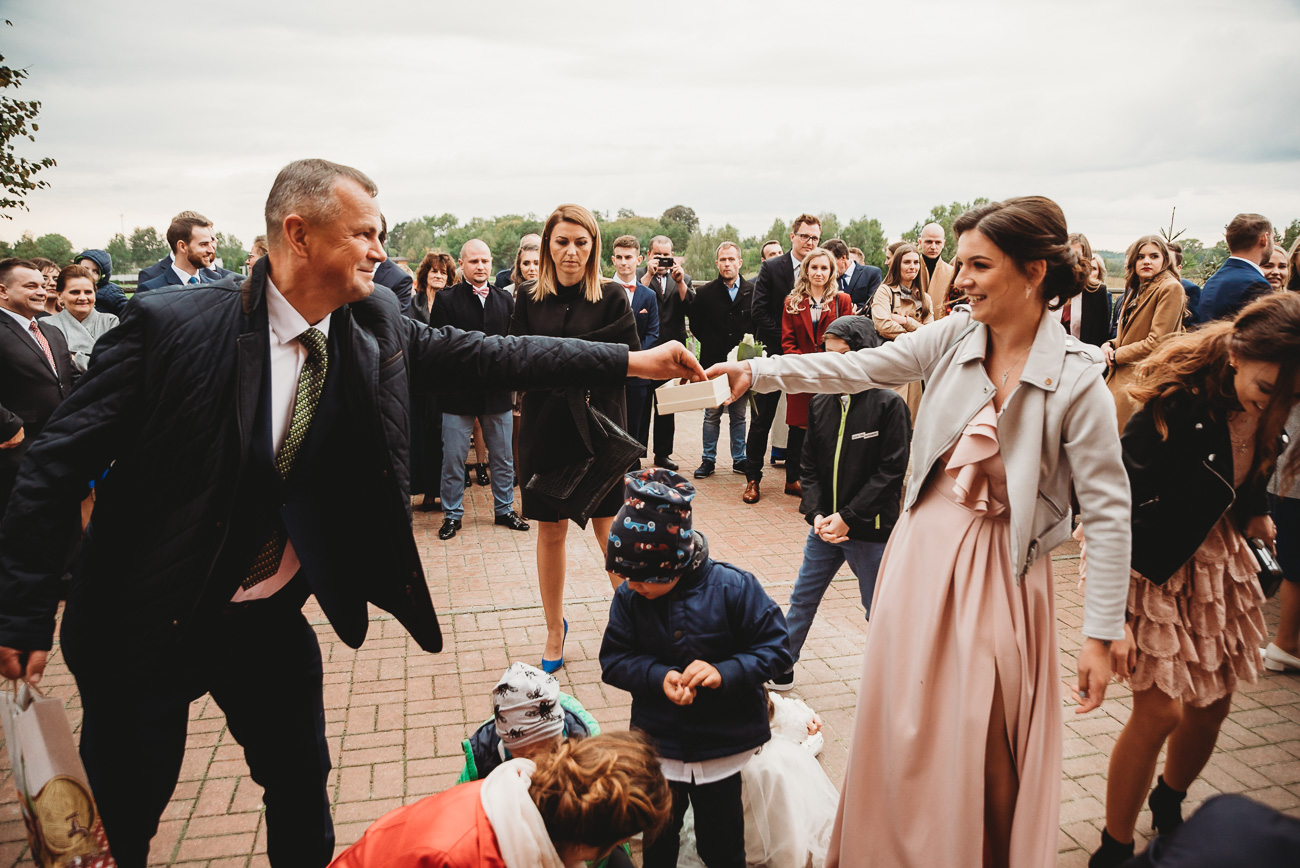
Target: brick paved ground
<point x="395" y="716"/>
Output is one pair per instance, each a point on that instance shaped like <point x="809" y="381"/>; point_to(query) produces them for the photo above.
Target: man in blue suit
<point x="1240" y="280"/>
<point x="859" y="281"/>
<point x="645" y="307"/>
<point x="194" y="254"/>
<point x="149" y="272"/>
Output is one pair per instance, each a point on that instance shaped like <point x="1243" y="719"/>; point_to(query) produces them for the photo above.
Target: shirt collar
<point x="734" y="286"/>
<point x="794" y="260"/>
<point x="24" y="321"/>
<point x="1254" y="265"/>
<point x="286" y="322"/>
<point x="849" y="271"/>
<point x="183" y="275"/>
<point x="631" y="283"/>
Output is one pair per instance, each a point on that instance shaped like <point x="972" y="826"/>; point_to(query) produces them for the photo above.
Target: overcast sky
<point x="744" y="111"/>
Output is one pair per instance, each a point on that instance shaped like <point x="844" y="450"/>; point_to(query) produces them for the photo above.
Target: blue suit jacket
<point x="1193" y="303"/>
<point x="1235" y="285"/>
<point x="862" y="284"/>
<point x="149" y="272"/>
<point x="169" y="277"/>
<point x="645" y="308"/>
<point x="393" y="277"/>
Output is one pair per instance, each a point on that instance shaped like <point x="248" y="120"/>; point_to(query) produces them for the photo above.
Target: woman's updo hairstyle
<point x="1029" y="228"/>
<point x="601" y="790"/>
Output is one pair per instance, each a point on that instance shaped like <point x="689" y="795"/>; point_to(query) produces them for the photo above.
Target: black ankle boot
<point x="1110" y="853"/>
<point x="1166" y="806"/>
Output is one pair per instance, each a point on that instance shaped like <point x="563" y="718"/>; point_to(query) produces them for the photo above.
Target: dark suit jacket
<point x="718" y="322"/>
<point x="29" y="391"/>
<point x="672" y="307"/>
<point x="396" y="279"/>
<point x="1193" y="303"/>
<point x="775" y="280"/>
<point x="645" y="310"/>
<point x="170" y="401"/>
<point x="169" y="277"/>
<point x="457" y="306"/>
<point x="862" y="284"/>
<point x="502" y="279"/>
<point x="149" y="272"/>
<point x="1235" y="285"/>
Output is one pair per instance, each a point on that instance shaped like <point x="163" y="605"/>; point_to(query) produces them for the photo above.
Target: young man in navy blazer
<point x="1240" y="280"/>
<point x="194" y="254"/>
<point x="645" y="307"/>
<point x="859" y="281"/>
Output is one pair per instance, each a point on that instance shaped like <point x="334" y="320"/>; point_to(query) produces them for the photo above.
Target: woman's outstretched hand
<point x="738" y="377"/>
<point x="670" y="361"/>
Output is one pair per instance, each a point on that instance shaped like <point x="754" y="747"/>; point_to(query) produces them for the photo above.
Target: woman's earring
<point x="1028" y="291"/>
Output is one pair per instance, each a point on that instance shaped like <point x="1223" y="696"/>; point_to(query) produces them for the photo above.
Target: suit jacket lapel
<point x="30" y="343"/>
<point x="805" y="317"/>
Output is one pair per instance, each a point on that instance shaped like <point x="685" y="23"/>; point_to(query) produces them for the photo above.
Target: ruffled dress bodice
<point x="973" y="475"/>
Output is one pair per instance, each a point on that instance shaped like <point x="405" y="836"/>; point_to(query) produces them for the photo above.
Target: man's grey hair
<point x="660" y="239"/>
<point x="306" y="188"/>
<point x="725" y="244"/>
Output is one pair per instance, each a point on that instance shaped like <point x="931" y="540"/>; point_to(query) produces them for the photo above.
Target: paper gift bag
<point x="63" y="824"/>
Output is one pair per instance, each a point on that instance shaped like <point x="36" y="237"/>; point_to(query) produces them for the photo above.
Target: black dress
<point x="426" y="427"/>
<point x="566" y="314"/>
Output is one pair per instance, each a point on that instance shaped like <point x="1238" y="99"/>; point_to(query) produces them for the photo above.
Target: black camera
<point x="665" y="261"/>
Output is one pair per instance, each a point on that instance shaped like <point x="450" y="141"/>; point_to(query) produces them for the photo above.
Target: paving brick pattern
<point x="396" y="716"/>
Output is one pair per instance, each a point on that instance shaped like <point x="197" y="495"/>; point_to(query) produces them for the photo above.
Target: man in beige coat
<point x="936" y="275"/>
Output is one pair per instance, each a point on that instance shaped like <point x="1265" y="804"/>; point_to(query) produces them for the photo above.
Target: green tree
<point x="830" y="225"/>
<point x="627" y="223"/>
<point x="944" y="215"/>
<point x="1288" y="237"/>
<point x="701" y="250"/>
<point x="678" y="222"/>
<point x="52" y="246"/>
<point x="18" y="121"/>
<point x="147" y="246"/>
<point x="231" y="252"/>
<point x="867" y="235"/>
<point x="120" y="250"/>
<point x="780" y="231"/>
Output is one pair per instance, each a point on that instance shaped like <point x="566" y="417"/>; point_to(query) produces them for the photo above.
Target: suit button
<point x="677" y="634"/>
<point x="1199" y="426"/>
<point x="1212" y="457"/>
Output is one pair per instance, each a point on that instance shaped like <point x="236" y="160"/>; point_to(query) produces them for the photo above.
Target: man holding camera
<point x="672" y="287"/>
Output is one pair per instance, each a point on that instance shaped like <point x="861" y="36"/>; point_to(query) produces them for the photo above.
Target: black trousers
<point x="760" y="426"/>
<point x="665" y="426"/>
<point x="261" y="663"/>
<point x="719" y="825"/>
<point x="638" y="406"/>
<point x="794" y="453"/>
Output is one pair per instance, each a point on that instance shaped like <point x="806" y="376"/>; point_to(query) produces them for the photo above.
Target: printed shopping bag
<point x="63" y="824"/>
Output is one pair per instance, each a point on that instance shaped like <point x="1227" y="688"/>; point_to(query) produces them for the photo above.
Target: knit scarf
<point x="519" y="827"/>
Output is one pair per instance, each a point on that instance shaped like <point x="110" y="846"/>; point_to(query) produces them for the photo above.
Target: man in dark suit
<point x="149" y="272"/>
<point x="859" y="281"/>
<point x="504" y="276"/>
<point x="672" y="288"/>
<point x="720" y="318"/>
<point x="776" y="278"/>
<point x="194" y="254"/>
<point x="645" y="309"/>
<point x="262" y="429"/>
<point x="1240" y="280"/>
<point x="474" y="306"/>
<point x="36" y="370"/>
<point x="393" y="276"/>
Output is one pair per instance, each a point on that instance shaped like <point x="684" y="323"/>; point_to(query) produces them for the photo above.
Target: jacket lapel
<point x="30" y="343"/>
<point x="251" y="355"/>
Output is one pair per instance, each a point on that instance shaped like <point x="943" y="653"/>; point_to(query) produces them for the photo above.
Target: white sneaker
<point x="1277" y="660"/>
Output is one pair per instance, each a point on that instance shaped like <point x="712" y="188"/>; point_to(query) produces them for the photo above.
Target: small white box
<point x="672" y="398"/>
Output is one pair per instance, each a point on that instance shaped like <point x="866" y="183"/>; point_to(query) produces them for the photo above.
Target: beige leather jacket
<point x="1057" y="427"/>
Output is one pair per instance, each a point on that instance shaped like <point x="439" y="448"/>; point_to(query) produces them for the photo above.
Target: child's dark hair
<point x="601" y="790"/>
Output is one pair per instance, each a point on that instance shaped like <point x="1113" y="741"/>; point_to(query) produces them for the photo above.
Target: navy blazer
<point x="149" y="272"/>
<point x="862" y="284"/>
<point x="169" y="277"/>
<point x="1236" y="284"/>
<point x="774" y="282"/>
<point x="503" y="278"/>
<point x="396" y="279"/>
<point x="645" y="310"/>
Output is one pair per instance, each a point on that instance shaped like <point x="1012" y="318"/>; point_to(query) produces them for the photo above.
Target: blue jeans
<point x="736" y="425"/>
<point x="821" y="560"/>
<point x="456" y="433"/>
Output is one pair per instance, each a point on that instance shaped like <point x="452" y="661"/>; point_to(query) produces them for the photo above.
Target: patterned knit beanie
<point x="651" y="539"/>
<point x="526" y="705"/>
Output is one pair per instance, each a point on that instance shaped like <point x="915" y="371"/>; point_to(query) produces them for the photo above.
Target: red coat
<point x="448" y="830"/>
<point x="798" y="336"/>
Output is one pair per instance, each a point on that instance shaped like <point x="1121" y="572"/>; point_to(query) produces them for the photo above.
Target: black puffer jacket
<point x="854" y="456"/>
<point x="169" y="401"/>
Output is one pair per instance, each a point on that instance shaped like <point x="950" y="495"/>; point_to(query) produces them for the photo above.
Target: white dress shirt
<point x="1254" y="265"/>
<point x="287" y="358"/>
<point x="183" y="274"/>
<point x="630" y="288"/>
<point x="705" y="772"/>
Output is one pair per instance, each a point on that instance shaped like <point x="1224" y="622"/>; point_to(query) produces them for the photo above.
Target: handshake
<point x="680" y="687"/>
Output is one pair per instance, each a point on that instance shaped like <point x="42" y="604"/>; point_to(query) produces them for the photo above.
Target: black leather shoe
<point x="449" y="528"/>
<point x="705" y="470"/>
<point x="512" y="520"/>
<point x="481" y="474"/>
<point x="666" y="463"/>
<point x="738" y="469"/>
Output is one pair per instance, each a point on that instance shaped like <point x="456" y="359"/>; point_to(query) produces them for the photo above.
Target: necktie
<point x="844" y="283"/>
<point x="481" y="292"/>
<point x="194" y="278"/>
<point x="310" y="383"/>
<point x="44" y="345"/>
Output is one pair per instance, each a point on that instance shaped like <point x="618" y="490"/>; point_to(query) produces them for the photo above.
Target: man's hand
<point x="670" y="361"/>
<point x="13" y="441"/>
<point x="1094" y="675"/>
<point x="738" y="376"/>
<point x="678" y="276"/>
<point x="676" y="690"/>
<point x="11" y="665"/>
<point x="702" y="674"/>
<point x="832" y="529"/>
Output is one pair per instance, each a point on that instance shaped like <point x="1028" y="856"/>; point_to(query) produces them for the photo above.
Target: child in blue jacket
<point x="693" y="640"/>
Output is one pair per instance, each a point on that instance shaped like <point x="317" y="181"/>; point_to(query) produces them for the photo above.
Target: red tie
<point x="45" y="346"/>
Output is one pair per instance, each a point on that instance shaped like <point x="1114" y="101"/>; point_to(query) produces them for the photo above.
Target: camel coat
<point x="937" y="288"/>
<point x="894" y="299"/>
<point x="1144" y="322"/>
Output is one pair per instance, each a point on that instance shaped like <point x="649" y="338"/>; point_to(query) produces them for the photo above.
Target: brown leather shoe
<point x="751" y="494"/>
<point x="794" y="489"/>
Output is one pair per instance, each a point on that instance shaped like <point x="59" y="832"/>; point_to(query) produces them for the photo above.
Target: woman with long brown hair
<point x="570" y="300"/>
<point x="1199" y="453"/>
<point x="1150" y="310"/>
<point x="900" y="306"/>
<point x="1087" y="316"/>
<point x="812" y="305"/>
<point x="528" y="262"/>
<point x="437" y="271"/>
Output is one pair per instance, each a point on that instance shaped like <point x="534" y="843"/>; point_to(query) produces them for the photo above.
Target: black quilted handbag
<point x="576" y="488"/>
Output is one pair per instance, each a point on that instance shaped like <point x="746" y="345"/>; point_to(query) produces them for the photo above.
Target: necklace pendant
<point x="1004" y="377"/>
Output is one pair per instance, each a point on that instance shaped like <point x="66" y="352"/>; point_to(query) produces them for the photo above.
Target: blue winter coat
<point x="717" y="613"/>
<point x="109" y="297"/>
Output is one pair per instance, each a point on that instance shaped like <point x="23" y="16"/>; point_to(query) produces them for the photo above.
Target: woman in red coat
<point x="528" y="814"/>
<point x="812" y="305"/>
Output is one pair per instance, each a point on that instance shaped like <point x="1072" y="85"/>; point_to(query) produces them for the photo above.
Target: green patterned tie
<point x="310" y="383"/>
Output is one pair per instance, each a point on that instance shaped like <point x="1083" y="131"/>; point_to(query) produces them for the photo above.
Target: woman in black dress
<point x="437" y="271"/>
<point x="568" y="299"/>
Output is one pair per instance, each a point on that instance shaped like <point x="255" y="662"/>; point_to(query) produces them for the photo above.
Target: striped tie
<point x="310" y="383"/>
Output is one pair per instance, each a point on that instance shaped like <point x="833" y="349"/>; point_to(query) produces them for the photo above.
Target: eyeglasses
<point x="811" y="239"/>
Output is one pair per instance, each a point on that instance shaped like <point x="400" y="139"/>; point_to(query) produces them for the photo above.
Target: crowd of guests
<point x="995" y="396"/>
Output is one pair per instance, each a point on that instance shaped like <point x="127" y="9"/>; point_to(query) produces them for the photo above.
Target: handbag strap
<point x="579" y="400"/>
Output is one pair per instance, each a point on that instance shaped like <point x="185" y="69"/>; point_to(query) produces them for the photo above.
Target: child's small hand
<point x="833" y="529"/>
<point x="702" y="674"/>
<point x="676" y="690"/>
<point x="815" y="725"/>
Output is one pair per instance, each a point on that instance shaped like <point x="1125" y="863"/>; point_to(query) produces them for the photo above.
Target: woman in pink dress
<point x="956" y="754"/>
